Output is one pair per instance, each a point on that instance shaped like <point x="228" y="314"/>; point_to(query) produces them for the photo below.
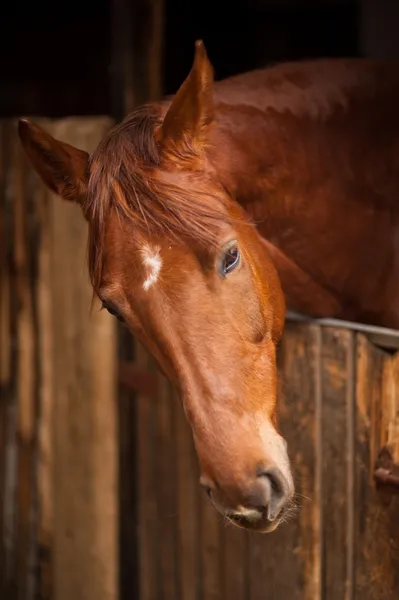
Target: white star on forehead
<point x="153" y="263"/>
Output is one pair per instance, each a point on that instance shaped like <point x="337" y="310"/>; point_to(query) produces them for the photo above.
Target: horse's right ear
<point x="63" y="168"/>
<point x="184" y="129"/>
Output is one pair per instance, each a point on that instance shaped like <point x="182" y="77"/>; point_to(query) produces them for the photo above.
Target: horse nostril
<point x="275" y="491"/>
<point x="277" y="480"/>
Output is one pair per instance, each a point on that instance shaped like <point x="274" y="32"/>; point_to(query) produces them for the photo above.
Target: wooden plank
<point x="286" y="563"/>
<point x="211" y="552"/>
<point x="337" y="384"/>
<point x="235" y="563"/>
<point x="5" y="347"/>
<point x="85" y="475"/>
<point x="390" y="407"/>
<point x="154" y="32"/>
<point x="103" y="462"/>
<point x="147" y="457"/>
<point x="122" y="68"/>
<point x="128" y="476"/>
<point x="137" y="54"/>
<point x="26" y="374"/>
<point x="49" y="280"/>
<point x="32" y="283"/>
<point x="188" y="510"/>
<point x="4" y="270"/>
<point x="18" y="368"/>
<point x="9" y="581"/>
<point x="44" y="426"/>
<point x="377" y="522"/>
<point x="167" y="495"/>
<point x="378" y="23"/>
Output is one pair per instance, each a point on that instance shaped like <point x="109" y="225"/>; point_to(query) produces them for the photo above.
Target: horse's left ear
<point x="185" y="124"/>
<point x="63" y="168"/>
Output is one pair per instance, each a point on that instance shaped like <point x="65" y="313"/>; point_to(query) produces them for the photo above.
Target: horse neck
<point x="283" y="130"/>
<point x="250" y="153"/>
<point x="300" y="177"/>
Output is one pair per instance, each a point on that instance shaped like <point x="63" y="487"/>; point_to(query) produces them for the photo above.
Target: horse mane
<point x="126" y="174"/>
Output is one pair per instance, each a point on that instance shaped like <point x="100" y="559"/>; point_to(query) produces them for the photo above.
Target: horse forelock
<point x="126" y="175"/>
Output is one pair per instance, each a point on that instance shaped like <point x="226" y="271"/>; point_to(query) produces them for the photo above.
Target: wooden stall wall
<point x="58" y="450"/>
<point x="339" y="403"/>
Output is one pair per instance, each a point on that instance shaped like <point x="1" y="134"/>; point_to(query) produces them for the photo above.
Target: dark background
<point x="57" y="59"/>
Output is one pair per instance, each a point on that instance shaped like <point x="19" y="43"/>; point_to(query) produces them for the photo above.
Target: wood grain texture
<point x="84" y="420"/>
<point x="188" y="513"/>
<point x="45" y="408"/>
<point x="235" y="563"/>
<point x="5" y="341"/>
<point x="26" y="374"/>
<point x="211" y="541"/>
<point x="166" y="481"/>
<point x="377" y="521"/>
<point x="128" y="477"/>
<point x="59" y="477"/>
<point x="390" y="406"/>
<point x="336" y="359"/>
<point x="150" y="581"/>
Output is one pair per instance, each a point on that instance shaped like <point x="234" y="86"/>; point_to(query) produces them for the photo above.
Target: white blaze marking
<point x="153" y="262"/>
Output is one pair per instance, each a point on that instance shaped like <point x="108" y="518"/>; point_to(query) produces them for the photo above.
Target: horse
<point x="212" y="211"/>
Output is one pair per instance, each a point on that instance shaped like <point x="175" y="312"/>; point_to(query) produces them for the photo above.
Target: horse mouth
<point x="262" y="525"/>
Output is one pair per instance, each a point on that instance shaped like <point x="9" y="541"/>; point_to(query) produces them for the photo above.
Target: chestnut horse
<point x="204" y="208"/>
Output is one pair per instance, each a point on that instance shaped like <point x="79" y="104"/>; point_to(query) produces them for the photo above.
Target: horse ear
<point x="185" y="124"/>
<point x="62" y="167"/>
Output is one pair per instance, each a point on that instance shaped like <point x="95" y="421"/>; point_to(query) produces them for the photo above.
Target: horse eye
<point x="230" y="260"/>
<point x="114" y="313"/>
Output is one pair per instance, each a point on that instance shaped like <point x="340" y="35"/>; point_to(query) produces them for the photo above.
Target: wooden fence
<point x="339" y="404"/>
<point x="58" y="454"/>
<point x="99" y="495"/>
